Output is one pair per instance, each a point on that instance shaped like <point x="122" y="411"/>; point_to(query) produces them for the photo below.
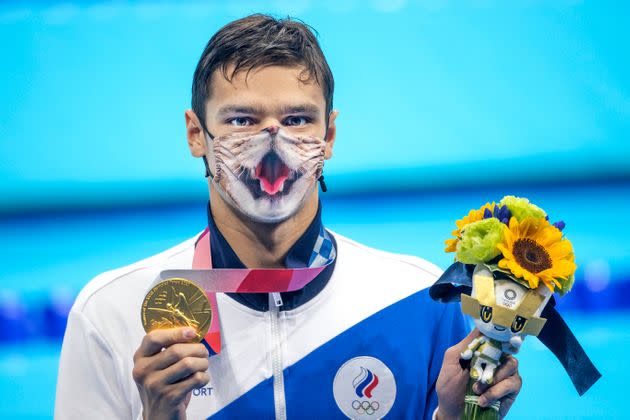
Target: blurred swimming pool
<point x="49" y="257"/>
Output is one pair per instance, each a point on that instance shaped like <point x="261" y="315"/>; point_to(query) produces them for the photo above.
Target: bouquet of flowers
<point x="509" y="260"/>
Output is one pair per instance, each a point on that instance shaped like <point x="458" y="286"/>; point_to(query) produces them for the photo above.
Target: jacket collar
<point x="223" y="256"/>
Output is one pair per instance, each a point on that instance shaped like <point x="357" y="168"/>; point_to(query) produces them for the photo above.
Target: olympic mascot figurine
<point x="509" y="260"/>
<point x="504" y="312"/>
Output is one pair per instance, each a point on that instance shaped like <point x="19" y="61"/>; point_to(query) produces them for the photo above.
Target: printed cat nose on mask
<point x="272" y="129"/>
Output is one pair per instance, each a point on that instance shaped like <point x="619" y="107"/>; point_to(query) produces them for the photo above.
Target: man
<point x="362" y="338"/>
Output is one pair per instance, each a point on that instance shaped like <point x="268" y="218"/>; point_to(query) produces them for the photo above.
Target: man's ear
<point x="195" y="134"/>
<point x="331" y="134"/>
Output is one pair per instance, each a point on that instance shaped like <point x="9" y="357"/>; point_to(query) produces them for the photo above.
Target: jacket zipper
<point x="279" y="399"/>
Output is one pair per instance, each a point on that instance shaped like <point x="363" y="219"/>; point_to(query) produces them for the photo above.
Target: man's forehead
<point x="296" y="73"/>
<point x="284" y="86"/>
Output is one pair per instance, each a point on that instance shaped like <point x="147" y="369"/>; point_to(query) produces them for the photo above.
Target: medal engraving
<point x="175" y="303"/>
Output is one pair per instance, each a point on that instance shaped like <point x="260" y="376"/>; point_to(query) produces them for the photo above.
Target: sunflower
<point x="473" y="216"/>
<point x="534" y="250"/>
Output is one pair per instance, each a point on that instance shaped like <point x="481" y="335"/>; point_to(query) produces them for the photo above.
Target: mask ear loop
<point x="208" y="173"/>
<point x="322" y="183"/>
<point x="205" y="160"/>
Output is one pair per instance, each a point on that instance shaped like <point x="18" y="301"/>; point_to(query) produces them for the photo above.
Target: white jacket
<point x="370" y="343"/>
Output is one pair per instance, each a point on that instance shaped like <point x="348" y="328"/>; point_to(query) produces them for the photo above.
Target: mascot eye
<point x="518" y="324"/>
<point x="485" y="313"/>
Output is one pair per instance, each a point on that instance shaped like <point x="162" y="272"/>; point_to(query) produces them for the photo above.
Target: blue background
<point x="443" y="105"/>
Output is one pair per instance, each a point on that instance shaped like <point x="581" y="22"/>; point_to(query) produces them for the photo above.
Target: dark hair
<point x="257" y="41"/>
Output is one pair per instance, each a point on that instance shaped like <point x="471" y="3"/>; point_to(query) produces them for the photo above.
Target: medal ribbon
<point x="248" y="280"/>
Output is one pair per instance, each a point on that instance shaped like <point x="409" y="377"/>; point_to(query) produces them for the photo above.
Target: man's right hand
<point x="167" y="367"/>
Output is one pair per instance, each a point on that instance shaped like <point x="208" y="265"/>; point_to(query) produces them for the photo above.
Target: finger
<point x="452" y="356"/>
<point x="183" y="369"/>
<point x="177" y="352"/>
<point x="156" y="340"/>
<point x="145" y="366"/>
<point x="454" y="352"/>
<point x="507" y="387"/>
<point x="508" y="368"/>
<point x="479" y="388"/>
<point x="180" y="390"/>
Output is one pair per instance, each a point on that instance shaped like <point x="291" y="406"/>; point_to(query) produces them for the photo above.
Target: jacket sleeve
<point x="89" y="380"/>
<point x="451" y="329"/>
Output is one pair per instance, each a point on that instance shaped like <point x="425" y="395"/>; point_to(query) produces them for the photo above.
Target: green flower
<point x="521" y="208"/>
<point x="479" y="241"/>
<point x="566" y="284"/>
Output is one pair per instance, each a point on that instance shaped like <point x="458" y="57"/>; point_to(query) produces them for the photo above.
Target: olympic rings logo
<point x="366" y="407"/>
<point x="509" y="294"/>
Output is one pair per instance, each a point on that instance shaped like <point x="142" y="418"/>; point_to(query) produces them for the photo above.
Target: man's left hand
<point x="452" y="381"/>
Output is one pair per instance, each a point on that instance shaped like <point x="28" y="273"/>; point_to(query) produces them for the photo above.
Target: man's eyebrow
<point x="239" y="109"/>
<point x="301" y="108"/>
<point x="256" y="110"/>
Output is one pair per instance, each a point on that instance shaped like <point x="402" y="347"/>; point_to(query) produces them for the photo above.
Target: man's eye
<point x="240" y="121"/>
<point x="296" y="121"/>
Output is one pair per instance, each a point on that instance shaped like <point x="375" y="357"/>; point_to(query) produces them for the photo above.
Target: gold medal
<point x="175" y="303"/>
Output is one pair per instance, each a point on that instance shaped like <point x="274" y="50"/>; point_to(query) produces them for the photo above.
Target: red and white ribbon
<point x="237" y="280"/>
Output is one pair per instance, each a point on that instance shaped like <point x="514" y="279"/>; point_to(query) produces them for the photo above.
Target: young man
<point x="361" y="338"/>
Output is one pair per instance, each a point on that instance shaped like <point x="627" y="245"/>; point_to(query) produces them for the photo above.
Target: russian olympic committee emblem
<point x="364" y="388"/>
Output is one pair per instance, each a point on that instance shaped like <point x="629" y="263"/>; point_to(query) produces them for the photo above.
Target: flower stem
<point x="472" y="411"/>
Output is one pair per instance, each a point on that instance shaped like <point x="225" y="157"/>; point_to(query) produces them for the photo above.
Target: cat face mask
<point x="267" y="174"/>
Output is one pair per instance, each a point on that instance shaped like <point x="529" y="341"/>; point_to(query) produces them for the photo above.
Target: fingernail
<point x="189" y="333"/>
<point x="482" y="402"/>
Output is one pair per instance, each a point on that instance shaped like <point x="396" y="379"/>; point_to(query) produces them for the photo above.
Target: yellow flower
<point x="535" y="251"/>
<point x="473" y="216"/>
